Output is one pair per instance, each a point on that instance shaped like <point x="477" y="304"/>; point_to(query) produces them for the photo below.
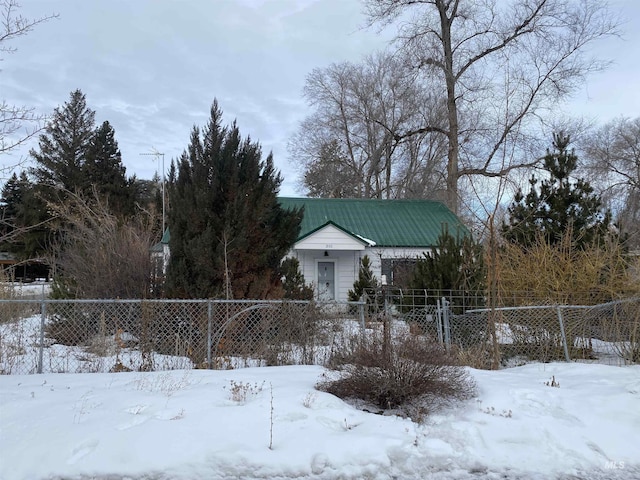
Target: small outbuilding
<point x="25" y="270"/>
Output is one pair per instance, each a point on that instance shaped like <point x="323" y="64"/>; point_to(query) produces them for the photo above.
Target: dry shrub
<point x="412" y="374"/>
<point x="12" y="311"/>
<point x="102" y="255"/>
<point x="476" y="356"/>
<point x="563" y="273"/>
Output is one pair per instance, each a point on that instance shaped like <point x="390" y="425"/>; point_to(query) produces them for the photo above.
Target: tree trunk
<point x="452" y="109"/>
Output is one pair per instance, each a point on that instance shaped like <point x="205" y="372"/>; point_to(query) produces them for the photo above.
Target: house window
<point x="397" y="271"/>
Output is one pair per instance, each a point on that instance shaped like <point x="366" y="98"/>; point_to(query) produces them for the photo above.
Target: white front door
<point x="326" y="281"/>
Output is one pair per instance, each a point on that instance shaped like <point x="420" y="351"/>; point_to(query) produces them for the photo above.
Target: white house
<point x="160" y="257"/>
<point x="336" y="233"/>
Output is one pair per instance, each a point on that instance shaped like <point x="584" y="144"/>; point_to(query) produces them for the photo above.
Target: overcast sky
<point x="153" y="67"/>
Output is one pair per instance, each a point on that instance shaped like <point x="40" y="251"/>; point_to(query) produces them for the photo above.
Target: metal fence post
<point x="43" y="314"/>
<point x="209" y="332"/>
<point x="563" y="334"/>
<point x="447" y="325"/>
<point x="361" y="312"/>
<point x="439" y="320"/>
<point x="385" y="301"/>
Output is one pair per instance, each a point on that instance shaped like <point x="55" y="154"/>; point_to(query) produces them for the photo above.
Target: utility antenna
<point x="156" y="154"/>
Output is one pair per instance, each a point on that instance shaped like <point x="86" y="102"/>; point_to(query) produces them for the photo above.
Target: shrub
<point x="410" y="374"/>
<point x="456" y="265"/>
<point x="366" y="280"/>
<point x="564" y="273"/>
<point x="10" y="311"/>
<point x="293" y="282"/>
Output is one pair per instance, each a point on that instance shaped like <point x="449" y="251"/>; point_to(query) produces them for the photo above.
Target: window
<point x="398" y="270"/>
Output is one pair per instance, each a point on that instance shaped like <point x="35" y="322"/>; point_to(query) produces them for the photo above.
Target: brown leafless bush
<point x="103" y="255"/>
<point x="475" y="356"/>
<point x="412" y="374"/>
<point x="278" y="334"/>
<point x="10" y="311"/>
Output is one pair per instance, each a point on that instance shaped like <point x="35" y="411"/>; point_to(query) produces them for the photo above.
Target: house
<point x="160" y="257"/>
<point x="337" y="233"/>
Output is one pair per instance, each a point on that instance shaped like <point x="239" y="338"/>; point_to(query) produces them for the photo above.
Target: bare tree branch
<point x="612" y="158"/>
<point x="18" y="123"/>
<point x="499" y="65"/>
<point x="101" y="255"/>
<point x="355" y="144"/>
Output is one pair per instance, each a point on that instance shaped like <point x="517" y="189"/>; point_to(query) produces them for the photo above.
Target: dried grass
<point x="563" y="273"/>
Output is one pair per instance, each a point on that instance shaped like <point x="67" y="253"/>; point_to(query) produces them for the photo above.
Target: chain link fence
<point x="44" y="335"/>
<point x="505" y="336"/>
<point x="125" y="335"/>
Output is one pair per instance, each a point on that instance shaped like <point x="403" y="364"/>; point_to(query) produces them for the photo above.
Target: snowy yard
<point x="199" y="424"/>
<point x="569" y="421"/>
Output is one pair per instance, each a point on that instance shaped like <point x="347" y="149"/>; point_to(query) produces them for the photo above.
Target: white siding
<point x="396" y="252"/>
<point x="329" y="238"/>
<point x="347" y="264"/>
<point x="346" y="268"/>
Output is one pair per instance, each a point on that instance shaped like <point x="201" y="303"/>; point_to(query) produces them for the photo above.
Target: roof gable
<point x="331" y="237"/>
<point x="388" y="223"/>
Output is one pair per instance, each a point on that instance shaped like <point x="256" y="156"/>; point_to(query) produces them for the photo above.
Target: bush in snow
<point x="408" y="373"/>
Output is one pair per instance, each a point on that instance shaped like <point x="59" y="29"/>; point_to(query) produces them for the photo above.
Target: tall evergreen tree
<point x="228" y="231"/>
<point x="104" y="172"/>
<point x="64" y="145"/>
<point x="557" y="204"/>
<point x="74" y="157"/>
<point x="12" y="194"/>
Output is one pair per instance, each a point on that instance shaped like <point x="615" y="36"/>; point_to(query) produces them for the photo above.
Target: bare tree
<point x="18" y="123"/>
<point x="347" y="147"/>
<point x="612" y="156"/>
<point x="499" y="66"/>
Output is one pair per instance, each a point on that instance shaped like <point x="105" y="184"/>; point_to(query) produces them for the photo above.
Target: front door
<point x="326" y="281"/>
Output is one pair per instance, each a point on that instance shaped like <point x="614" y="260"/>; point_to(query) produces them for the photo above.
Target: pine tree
<point x="366" y="281"/>
<point x="24" y="217"/>
<point x="73" y="158"/>
<point x="12" y="194"/>
<point x="293" y="283"/>
<point x="104" y="173"/>
<point x="228" y="231"/>
<point x="455" y="267"/>
<point x="64" y="145"/>
<point x="557" y="204"/>
<point x="60" y="158"/>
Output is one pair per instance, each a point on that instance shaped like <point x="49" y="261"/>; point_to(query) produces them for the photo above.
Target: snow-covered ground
<point x="270" y="423"/>
<point x="20" y="352"/>
<point x="33" y="288"/>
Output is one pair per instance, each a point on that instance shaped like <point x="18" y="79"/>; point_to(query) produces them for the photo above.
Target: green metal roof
<point x="164" y="240"/>
<point x="389" y="223"/>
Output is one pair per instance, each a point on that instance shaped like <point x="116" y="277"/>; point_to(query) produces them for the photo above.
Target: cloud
<point x="153" y="67"/>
